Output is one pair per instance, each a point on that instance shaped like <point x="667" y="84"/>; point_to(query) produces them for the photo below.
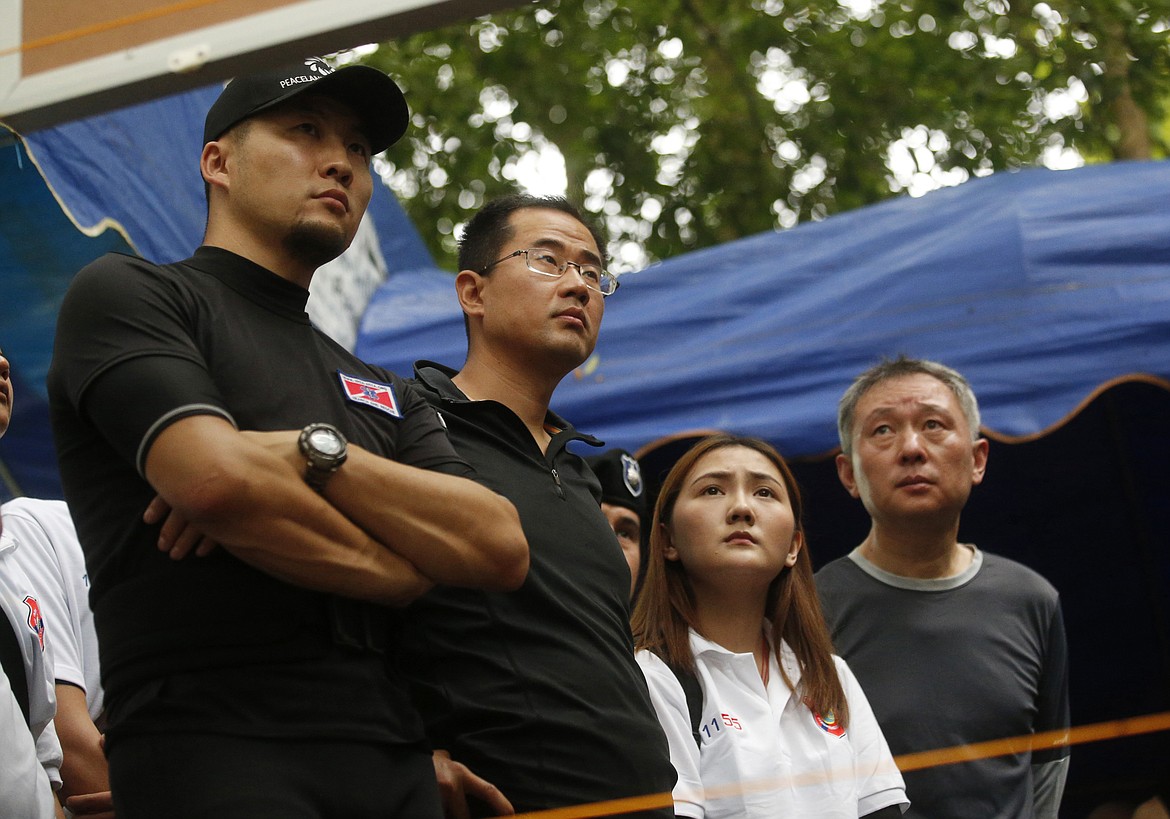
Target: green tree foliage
<point x="687" y="123"/>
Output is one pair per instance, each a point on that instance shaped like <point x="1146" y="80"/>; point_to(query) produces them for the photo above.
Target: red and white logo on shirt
<point x="371" y="393"/>
<point x="35" y="622"/>
<point x="828" y="723"/>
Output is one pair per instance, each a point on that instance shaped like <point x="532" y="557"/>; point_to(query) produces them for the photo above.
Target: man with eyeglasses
<point x="535" y="691"/>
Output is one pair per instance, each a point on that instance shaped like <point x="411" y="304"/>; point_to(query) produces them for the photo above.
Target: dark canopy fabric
<point x="39" y="252"/>
<point x="1040" y="286"/>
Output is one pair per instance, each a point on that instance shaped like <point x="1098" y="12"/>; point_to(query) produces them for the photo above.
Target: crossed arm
<point x="384" y="532"/>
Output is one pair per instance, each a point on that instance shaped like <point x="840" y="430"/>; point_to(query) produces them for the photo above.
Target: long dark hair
<point x="665" y="608"/>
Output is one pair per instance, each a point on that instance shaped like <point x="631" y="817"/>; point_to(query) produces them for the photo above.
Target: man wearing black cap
<point x="623" y="500"/>
<point x="252" y="681"/>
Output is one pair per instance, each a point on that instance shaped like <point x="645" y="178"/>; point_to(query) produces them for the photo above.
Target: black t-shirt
<point x="537" y="690"/>
<point x="211" y="643"/>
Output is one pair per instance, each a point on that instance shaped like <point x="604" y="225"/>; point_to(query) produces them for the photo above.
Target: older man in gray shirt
<point x="952" y="645"/>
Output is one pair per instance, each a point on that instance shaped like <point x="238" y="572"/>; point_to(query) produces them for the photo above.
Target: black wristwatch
<point x="325" y="449"/>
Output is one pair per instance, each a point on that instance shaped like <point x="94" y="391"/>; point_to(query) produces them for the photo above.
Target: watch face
<point x="325" y="442"/>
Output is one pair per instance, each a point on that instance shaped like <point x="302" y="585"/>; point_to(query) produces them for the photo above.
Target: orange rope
<point x="609" y="808"/>
<point x="1113" y="729"/>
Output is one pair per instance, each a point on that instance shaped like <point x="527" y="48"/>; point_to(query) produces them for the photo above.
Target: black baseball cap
<point x="621" y="481"/>
<point x="372" y="95"/>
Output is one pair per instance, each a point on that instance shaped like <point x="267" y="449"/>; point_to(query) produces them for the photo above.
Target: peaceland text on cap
<point x="372" y="95"/>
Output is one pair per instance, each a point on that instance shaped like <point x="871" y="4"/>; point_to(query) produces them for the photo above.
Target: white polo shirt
<point x="24" y="785"/>
<point x="764" y="753"/>
<point x="52" y="559"/>
<point x="20" y="602"/>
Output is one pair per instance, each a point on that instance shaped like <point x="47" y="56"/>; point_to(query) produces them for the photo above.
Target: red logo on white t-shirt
<point x="35" y="621"/>
<point x="829" y="724"/>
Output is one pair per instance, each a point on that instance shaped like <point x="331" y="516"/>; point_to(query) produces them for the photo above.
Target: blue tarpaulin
<point x="1042" y="287"/>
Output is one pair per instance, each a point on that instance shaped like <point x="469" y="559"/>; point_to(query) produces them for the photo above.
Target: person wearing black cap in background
<point x="252" y="680"/>
<point x="623" y="500"/>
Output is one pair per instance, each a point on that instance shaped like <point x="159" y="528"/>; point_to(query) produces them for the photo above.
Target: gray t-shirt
<point x="971" y="658"/>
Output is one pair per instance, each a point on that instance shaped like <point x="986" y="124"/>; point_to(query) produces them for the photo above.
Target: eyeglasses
<point x="547" y="263"/>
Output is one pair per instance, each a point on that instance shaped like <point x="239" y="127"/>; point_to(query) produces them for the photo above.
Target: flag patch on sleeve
<point x="371" y="393"/>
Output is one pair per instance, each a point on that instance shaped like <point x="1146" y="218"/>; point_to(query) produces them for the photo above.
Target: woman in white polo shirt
<point x="776" y="725"/>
